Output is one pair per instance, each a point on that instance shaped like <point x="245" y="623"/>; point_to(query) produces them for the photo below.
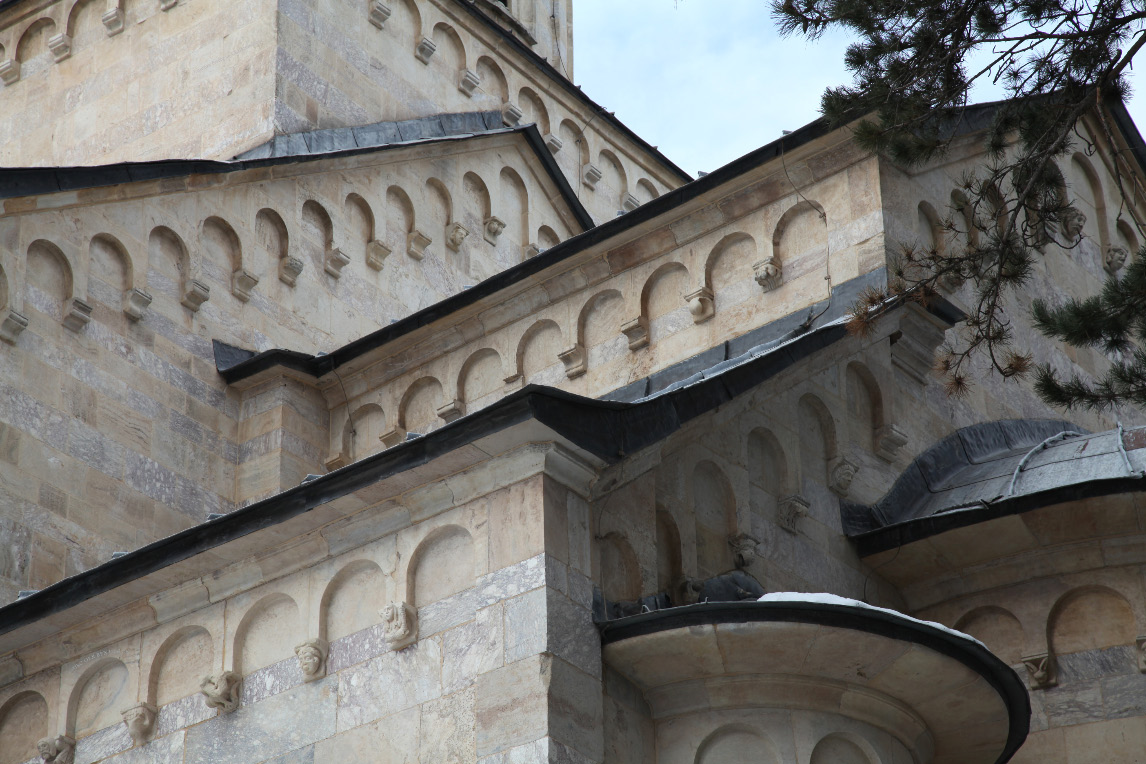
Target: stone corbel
<point x="590" y="174"/>
<point x="376" y="254"/>
<point x="636" y="330"/>
<point x="311" y="656"/>
<point x="841" y="472"/>
<point x="553" y="143"/>
<point x="335" y="261"/>
<point x="456" y="233"/>
<point x="888" y="440"/>
<point x="629" y="202"/>
<point x="289" y="269"/>
<point x="57" y="750"/>
<point x="112" y="18"/>
<point x="511" y="114"/>
<point x="9" y="71"/>
<point x="400" y="625"/>
<point x="700" y="304"/>
<point x="195" y="294"/>
<point x="1040" y="671"/>
<point x="140" y="722"/>
<point x="492" y="228"/>
<point x="530" y="250"/>
<point x="425" y="50"/>
<point x="393" y="437"/>
<point x="913" y="346"/>
<point x="242" y="282"/>
<point x="379" y="12"/>
<point x="78" y="315"/>
<point x="574" y="359"/>
<point x="468" y="81"/>
<point x="1112" y="259"/>
<point x="12" y="325"/>
<point x="417" y="243"/>
<point x="768" y="273"/>
<point x="454" y="409"/>
<point x="222" y="691"/>
<point x="61" y="46"/>
<point x="515" y="381"/>
<point x="135" y="301"/>
<point x="743" y="549"/>
<point x="790" y="510"/>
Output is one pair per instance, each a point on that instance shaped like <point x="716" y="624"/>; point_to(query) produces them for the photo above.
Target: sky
<point x="708" y="81"/>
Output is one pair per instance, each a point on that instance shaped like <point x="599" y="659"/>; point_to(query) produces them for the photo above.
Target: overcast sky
<point x="710" y="80"/>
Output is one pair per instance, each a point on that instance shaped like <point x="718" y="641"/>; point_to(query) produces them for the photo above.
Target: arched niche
<point x="438" y="211"/>
<point x="1090" y="618"/>
<point x="110" y="263"/>
<point x="352" y="599"/>
<point x="714" y="507"/>
<point x="929" y="228"/>
<point x="23" y="721"/>
<point x="533" y="110"/>
<point x="1127" y="238"/>
<point x="48" y="278"/>
<point x="475" y="202"/>
<point x="513" y="203"/>
<point x="362" y="432"/>
<point x="267" y="633"/>
<point x="767" y="471"/>
<point x="223" y="253"/>
<point x="537" y="360"/>
<point x="998" y="629"/>
<point x="494" y="91"/>
<point x="662" y="294"/>
<point x="418" y="411"/>
<point x="817" y="437"/>
<point x="620" y="572"/>
<point x="574" y="152"/>
<point x="838" y="749"/>
<point x="318" y="230"/>
<point x="34" y="42"/>
<point x="84" y="25"/>
<point x="273" y="241"/>
<point x="800" y="241"/>
<point x="729" y="264"/>
<point x="865" y="404"/>
<point x="180" y="664"/>
<point x="547" y="238"/>
<point x="601" y="318"/>
<point x="964" y="216"/>
<point x="646" y="191"/>
<point x="670" y="570"/>
<point x="399" y="218"/>
<point x="482" y="374"/>
<point x="441" y="566"/>
<point x="736" y="744"/>
<point x="405" y="21"/>
<point x="1088" y="197"/>
<point x="99" y="697"/>
<point x="360" y="226"/>
<point x="167" y="256"/>
<point x="613" y="183"/>
<point x="450" y="54"/>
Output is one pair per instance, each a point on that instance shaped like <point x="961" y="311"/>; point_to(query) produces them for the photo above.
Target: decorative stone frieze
<point x="376" y="254"/>
<point x="574" y="359"/>
<point x="636" y="331"/>
<point x="311" y="656"/>
<point x="425" y="50"/>
<point x="1072" y="223"/>
<point x="378" y="13"/>
<point x="454" y="409"/>
<point x="590" y="175"/>
<point x="769" y="273"/>
<point x="468" y="81"/>
<point x="79" y="314"/>
<point x="790" y="510"/>
<point x="393" y="437"/>
<point x="700" y="304"/>
<point x="417" y="243"/>
<point x="530" y="250"/>
<point x="222" y="691"/>
<point x="335" y="261"/>
<point x="57" y="750"/>
<point x="1040" y="671"/>
<point x="456" y="233"/>
<point x="140" y="721"/>
<point x="511" y="114"/>
<point x="629" y="202"/>
<point x="289" y="269"/>
<point x="12" y="325"/>
<point x="112" y="21"/>
<point x="61" y="46"/>
<point x="841" y="472"/>
<point x="400" y="624"/>
<point x="743" y="549"/>
<point x="195" y="295"/>
<point x="242" y="282"/>
<point x="9" y="71"/>
<point x="1114" y="258"/>
<point x="888" y="440"/>
<point x="492" y="228"/>
<point x="553" y="143"/>
<point x="913" y="345"/>
<point x="1140" y="643"/>
<point x="135" y="301"/>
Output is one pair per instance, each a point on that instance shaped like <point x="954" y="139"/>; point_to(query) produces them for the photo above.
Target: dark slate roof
<point x="994" y="469"/>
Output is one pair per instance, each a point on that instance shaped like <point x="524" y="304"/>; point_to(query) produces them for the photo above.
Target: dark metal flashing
<point x="1002" y="678"/>
<point x="609" y="430"/>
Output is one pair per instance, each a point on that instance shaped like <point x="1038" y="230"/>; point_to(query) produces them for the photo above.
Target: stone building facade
<point x="375" y="396"/>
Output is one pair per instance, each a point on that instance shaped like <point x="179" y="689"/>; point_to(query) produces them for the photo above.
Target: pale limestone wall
<point x="194" y="80"/>
<point x="505" y="664"/>
<point x="117" y="432"/>
<point x="334" y="69"/>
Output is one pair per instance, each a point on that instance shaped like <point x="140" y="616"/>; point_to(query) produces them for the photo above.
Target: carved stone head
<point x="57" y="750"/>
<point x="768" y="273"/>
<point x="1114" y="258"/>
<point x="140" y="721"/>
<point x="1072" y="223"/>
<point x="840" y="476"/>
<point x="455" y="235"/>
<point x="222" y="691"/>
<point x="312" y="659"/>
<point x="400" y="622"/>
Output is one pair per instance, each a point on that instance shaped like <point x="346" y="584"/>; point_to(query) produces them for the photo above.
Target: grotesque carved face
<point x="47" y="748"/>
<point x="1072" y="223"/>
<point x="1115" y="258"/>
<point x="310" y="660"/>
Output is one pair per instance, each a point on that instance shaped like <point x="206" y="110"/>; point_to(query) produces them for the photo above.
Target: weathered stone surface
<point x="162" y="750"/>
<point x="182" y="713"/>
<point x="389" y="683"/>
<point x="525" y="625"/>
<point x="270" y="680"/>
<point x="447" y="728"/>
<point x="392" y="740"/>
<point x="100" y="745"/>
<point x="471" y="649"/>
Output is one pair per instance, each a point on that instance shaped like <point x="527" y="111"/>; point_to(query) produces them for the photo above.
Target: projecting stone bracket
<point x="492" y="228"/>
<point x="140" y="722"/>
<point x="196" y="293"/>
<point x="376" y="254"/>
<point x="9" y="71"/>
<point x="393" y="437"/>
<point x="700" y="304"/>
<point x="636" y="331"/>
<point x="289" y="269"/>
<point x="57" y="750"/>
<point x="768" y="273"/>
<point x="841" y="473"/>
<point x="113" y="21"/>
<point x="574" y="359"/>
<point x="629" y="202"/>
<point x="553" y="143"/>
<point x="135" y="301"/>
<point x="425" y="50"/>
<point x="456" y="233"/>
<point x="379" y="12"/>
<point x="888" y="440"/>
<point x="1040" y="671"/>
<point x="78" y="316"/>
<point x="511" y="114"/>
<point x="334" y="262"/>
<point x="222" y="691"/>
<point x="790" y="511"/>
<point x="242" y="282"/>
<point x="400" y="625"/>
<point x="590" y="175"/>
<point x="311" y="656"/>
<point x="452" y="410"/>
<point x="743" y="549"/>
<point x="417" y="243"/>
<point x="12" y="325"/>
<point x="61" y="46"/>
<point x="529" y="251"/>
<point x="468" y="81"/>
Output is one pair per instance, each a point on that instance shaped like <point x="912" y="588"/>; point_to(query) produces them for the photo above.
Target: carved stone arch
<point x="267" y="633"/>
<point x="618" y="569"/>
<point x="1091" y="617"/>
<point x="190" y="651"/>
<point x="670" y="566"/>
<point x="23" y="722"/>
<point x="547" y="238"/>
<point x="318" y="225"/>
<point x="613" y="176"/>
<point x="538" y="350"/>
<point x="98" y="697"/>
<point x="844" y="747"/>
<point x="728" y="265"/>
<point x="865" y="405"/>
<point x="664" y="290"/>
<point x="818" y="445"/>
<point x="112" y="263"/>
<point x="360" y="227"/>
<point x="406" y="21"/>
<point x="646" y="191"/>
<point x="273" y="240"/>
<point x="481" y="375"/>
<point x="801" y="234"/>
<point x="591" y="306"/>
<point x="514" y="211"/>
<point x="533" y="109"/>
<point x="168" y="256"/>
<point x="714" y="508"/>
<point x="361" y="435"/>
<point x="998" y="629"/>
<point x="442" y="565"/>
<point x="400" y="218"/>
<point x="33" y="40"/>
<point x="930" y="228"/>
<point x="222" y="250"/>
<point x="50" y="282"/>
<point x="494" y="86"/>
<point x="84" y="21"/>
<point x="418" y="410"/>
<point x="450" y="51"/>
<point x="351" y="600"/>
<point x="1093" y="200"/>
<point x="438" y="212"/>
<point x="768" y="463"/>
<point x="736" y="743"/>
<point x="574" y="153"/>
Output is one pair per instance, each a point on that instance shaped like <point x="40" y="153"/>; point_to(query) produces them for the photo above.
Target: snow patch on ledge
<point x="832" y="599"/>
